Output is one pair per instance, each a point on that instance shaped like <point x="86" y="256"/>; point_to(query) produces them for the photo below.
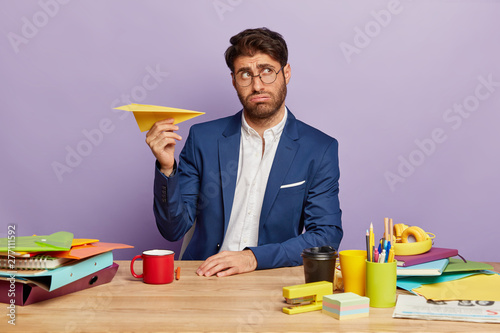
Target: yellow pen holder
<point x="409" y="249"/>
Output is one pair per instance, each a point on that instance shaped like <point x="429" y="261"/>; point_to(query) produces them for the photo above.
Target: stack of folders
<point x="461" y="291"/>
<point x="37" y="268"/>
<point x="431" y="263"/>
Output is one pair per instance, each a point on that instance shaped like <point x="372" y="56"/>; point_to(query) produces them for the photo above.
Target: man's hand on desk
<point x="228" y="263"/>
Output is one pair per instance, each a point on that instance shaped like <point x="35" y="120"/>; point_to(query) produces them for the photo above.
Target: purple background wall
<point x="410" y="89"/>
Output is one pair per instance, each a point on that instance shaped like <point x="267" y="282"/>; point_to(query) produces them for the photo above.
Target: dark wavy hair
<point x="251" y="41"/>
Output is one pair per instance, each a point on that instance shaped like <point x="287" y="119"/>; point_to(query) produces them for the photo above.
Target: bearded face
<point x="261" y="101"/>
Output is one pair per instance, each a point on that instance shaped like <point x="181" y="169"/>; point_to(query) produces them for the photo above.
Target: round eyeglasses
<point x="267" y="75"/>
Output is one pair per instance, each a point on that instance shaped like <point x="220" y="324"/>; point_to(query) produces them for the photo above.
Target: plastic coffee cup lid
<point x="320" y="253"/>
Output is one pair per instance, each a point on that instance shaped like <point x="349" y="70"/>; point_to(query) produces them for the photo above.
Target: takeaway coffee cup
<point x="157" y="266"/>
<point x="319" y="263"/>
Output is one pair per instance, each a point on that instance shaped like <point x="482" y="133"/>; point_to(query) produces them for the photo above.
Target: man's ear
<point x="233" y="80"/>
<point x="287" y="71"/>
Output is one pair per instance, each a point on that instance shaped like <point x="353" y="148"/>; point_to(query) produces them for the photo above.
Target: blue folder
<point x="431" y="268"/>
<point x="61" y="276"/>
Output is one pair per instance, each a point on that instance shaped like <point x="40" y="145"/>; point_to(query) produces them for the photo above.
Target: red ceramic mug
<point x="157" y="266"/>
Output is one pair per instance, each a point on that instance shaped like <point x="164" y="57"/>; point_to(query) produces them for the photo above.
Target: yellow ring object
<point x="398" y="230"/>
<point x="409" y="249"/>
<point x="417" y="233"/>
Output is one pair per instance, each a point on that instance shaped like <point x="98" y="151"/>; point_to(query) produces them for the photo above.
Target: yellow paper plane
<point x="147" y="115"/>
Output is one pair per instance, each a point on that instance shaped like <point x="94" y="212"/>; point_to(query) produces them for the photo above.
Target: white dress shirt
<point x="253" y="171"/>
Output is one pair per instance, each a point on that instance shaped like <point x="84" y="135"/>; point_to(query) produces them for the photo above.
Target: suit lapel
<point x="229" y="150"/>
<point x="285" y="154"/>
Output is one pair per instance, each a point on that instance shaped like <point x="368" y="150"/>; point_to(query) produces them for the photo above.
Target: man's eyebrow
<point x="265" y="66"/>
<point x="259" y="66"/>
<point x="243" y="69"/>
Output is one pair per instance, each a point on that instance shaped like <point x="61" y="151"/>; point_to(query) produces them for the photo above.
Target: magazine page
<point x="417" y="307"/>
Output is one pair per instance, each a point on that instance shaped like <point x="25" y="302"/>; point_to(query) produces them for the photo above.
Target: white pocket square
<point x="292" y="185"/>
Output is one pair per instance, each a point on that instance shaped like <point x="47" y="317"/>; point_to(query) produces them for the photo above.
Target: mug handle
<point x="132" y="266"/>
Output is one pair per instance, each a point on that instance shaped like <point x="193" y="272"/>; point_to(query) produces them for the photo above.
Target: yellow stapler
<point x="306" y="297"/>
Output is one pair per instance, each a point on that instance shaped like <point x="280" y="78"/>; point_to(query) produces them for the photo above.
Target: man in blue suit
<point x="260" y="185"/>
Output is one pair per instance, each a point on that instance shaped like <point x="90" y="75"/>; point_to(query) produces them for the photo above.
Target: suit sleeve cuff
<point x="174" y="171"/>
<point x="261" y="253"/>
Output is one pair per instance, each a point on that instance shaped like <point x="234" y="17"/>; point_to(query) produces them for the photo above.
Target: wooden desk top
<point x="249" y="302"/>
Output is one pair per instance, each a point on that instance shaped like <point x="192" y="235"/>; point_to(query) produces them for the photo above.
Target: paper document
<point x="415" y="307"/>
<point x="475" y="287"/>
<point x="413" y="282"/>
<point x="147" y="115"/>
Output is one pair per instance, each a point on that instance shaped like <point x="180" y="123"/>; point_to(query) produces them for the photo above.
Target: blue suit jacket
<point x="202" y="190"/>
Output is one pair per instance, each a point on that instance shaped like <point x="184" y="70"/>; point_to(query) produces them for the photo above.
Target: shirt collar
<point x="274" y="131"/>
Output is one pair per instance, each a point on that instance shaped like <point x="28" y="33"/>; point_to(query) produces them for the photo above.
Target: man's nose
<point x="257" y="83"/>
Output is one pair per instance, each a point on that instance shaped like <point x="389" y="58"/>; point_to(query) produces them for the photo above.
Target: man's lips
<point x="259" y="98"/>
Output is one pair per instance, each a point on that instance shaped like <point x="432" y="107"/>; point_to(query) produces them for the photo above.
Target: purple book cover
<point x="435" y="253"/>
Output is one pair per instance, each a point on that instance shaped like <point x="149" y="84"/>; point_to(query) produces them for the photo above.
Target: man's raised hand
<point x="162" y="139"/>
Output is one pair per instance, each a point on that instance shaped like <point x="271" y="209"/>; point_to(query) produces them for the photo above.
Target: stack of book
<point x="37" y="268"/>
<point x="431" y="263"/>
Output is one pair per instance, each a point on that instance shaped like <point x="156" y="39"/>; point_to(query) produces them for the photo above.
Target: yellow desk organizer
<point x="306" y="297"/>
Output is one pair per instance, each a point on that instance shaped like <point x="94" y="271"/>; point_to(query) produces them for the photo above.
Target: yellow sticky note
<point x="481" y="287"/>
<point x="147" y="115"/>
